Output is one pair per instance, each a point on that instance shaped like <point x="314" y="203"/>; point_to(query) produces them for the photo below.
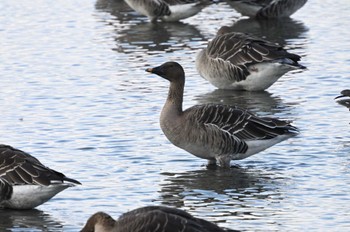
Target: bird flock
<point x="214" y="132"/>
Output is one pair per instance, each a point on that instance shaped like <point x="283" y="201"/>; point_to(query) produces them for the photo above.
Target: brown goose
<point x="150" y="218"/>
<point x="234" y="60"/>
<point x="218" y="133"/>
<point x="267" y="8"/>
<point x="167" y="10"/>
<point x="345" y="98"/>
<point x="25" y="182"/>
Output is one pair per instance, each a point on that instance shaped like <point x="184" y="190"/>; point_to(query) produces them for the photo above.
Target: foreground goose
<point x="150" y="218"/>
<point x="234" y="60"/>
<point x="267" y="8"/>
<point x="167" y="10"/>
<point x="217" y="133"/>
<point x="25" y="182"/>
<point x="345" y="98"/>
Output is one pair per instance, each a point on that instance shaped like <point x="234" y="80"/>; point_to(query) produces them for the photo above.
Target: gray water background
<point x="74" y="94"/>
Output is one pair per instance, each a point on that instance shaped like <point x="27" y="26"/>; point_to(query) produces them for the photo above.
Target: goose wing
<point x="237" y="126"/>
<point x="238" y="50"/>
<point x="280" y="8"/>
<point x="158" y="7"/>
<point x="5" y="190"/>
<point x="18" y="168"/>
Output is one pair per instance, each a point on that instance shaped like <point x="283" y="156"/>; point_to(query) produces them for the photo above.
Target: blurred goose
<point x="218" y="133"/>
<point x="25" y="182"/>
<point x="234" y="60"/>
<point x="345" y="95"/>
<point x="267" y="8"/>
<point x="167" y="10"/>
<point x="150" y="218"/>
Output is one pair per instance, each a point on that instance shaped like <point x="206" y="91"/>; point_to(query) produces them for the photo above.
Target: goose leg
<point x="224" y="161"/>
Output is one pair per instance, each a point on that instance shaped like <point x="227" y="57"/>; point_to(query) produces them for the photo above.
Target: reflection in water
<point x="262" y="101"/>
<point x="278" y="31"/>
<point x="237" y="192"/>
<point x="158" y="37"/>
<point x="34" y="219"/>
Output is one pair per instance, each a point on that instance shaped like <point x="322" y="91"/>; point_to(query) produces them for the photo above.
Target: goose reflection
<point x="237" y="190"/>
<point x="279" y="31"/>
<point x="257" y="102"/>
<point x="158" y="37"/>
<point x="28" y="220"/>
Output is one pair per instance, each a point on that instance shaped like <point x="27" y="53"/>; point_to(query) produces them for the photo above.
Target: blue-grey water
<point x="74" y="93"/>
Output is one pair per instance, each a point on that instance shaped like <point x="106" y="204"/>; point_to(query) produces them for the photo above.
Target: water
<point x="74" y="94"/>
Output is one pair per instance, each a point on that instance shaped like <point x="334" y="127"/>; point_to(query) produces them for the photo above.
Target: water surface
<point x="74" y="94"/>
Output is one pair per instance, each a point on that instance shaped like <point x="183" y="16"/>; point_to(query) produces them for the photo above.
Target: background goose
<point x="267" y="8"/>
<point x="239" y="61"/>
<point x="345" y="98"/>
<point x="25" y="182"/>
<point x="217" y="133"/>
<point x="150" y="218"/>
<point x="167" y="10"/>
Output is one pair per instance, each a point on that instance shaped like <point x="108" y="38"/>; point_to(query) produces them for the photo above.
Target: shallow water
<point x="74" y="94"/>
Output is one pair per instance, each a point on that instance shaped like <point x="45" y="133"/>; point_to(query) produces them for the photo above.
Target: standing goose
<point x="167" y="10"/>
<point x="218" y="133"/>
<point x="25" y="182"/>
<point x="267" y="8"/>
<point x="150" y="218"/>
<point x="234" y="60"/>
<point x="345" y="95"/>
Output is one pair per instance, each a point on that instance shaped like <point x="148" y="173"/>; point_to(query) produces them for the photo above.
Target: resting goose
<point x="150" y="218"/>
<point x="234" y="60"/>
<point x="345" y="95"/>
<point x="167" y="10"/>
<point x="25" y="182"/>
<point x="218" y="133"/>
<point x="267" y="8"/>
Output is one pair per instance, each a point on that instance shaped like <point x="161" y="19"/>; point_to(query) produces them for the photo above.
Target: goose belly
<point x="182" y="11"/>
<point x="261" y="77"/>
<point x="30" y="196"/>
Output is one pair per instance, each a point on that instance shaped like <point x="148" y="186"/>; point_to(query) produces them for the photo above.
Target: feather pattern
<point x="18" y="168"/>
<point x="151" y="218"/>
<point x="231" y="58"/>
<point x="218" y="133"/>
<point x="267" y="8"/>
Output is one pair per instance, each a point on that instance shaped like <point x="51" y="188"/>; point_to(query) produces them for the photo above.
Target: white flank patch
<point x="30" y="196"/>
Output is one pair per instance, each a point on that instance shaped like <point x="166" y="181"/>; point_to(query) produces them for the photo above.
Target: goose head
<point x="172" y="71"/>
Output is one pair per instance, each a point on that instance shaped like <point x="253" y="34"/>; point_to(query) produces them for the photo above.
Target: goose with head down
<point x="238" y="61"/>
<point x="218" y="133"/>
<point x="167" y="10"/>
<point x="151" y="218"/>
<point x="26" y="183"/>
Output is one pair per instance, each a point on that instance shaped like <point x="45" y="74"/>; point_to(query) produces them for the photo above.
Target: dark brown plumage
<point x="25" y="182"/>
<point x="150" y="218"/>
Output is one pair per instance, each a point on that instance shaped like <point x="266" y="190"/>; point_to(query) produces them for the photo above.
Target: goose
<point x="345" y="95"/>
<point x="234" y="60"/>
<point x="267" y="8"/>
<point x="167" y="10"/>
<point x="150" y="218"/>
<point x="218" y="133"/>
<point x="26" y="183"/>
